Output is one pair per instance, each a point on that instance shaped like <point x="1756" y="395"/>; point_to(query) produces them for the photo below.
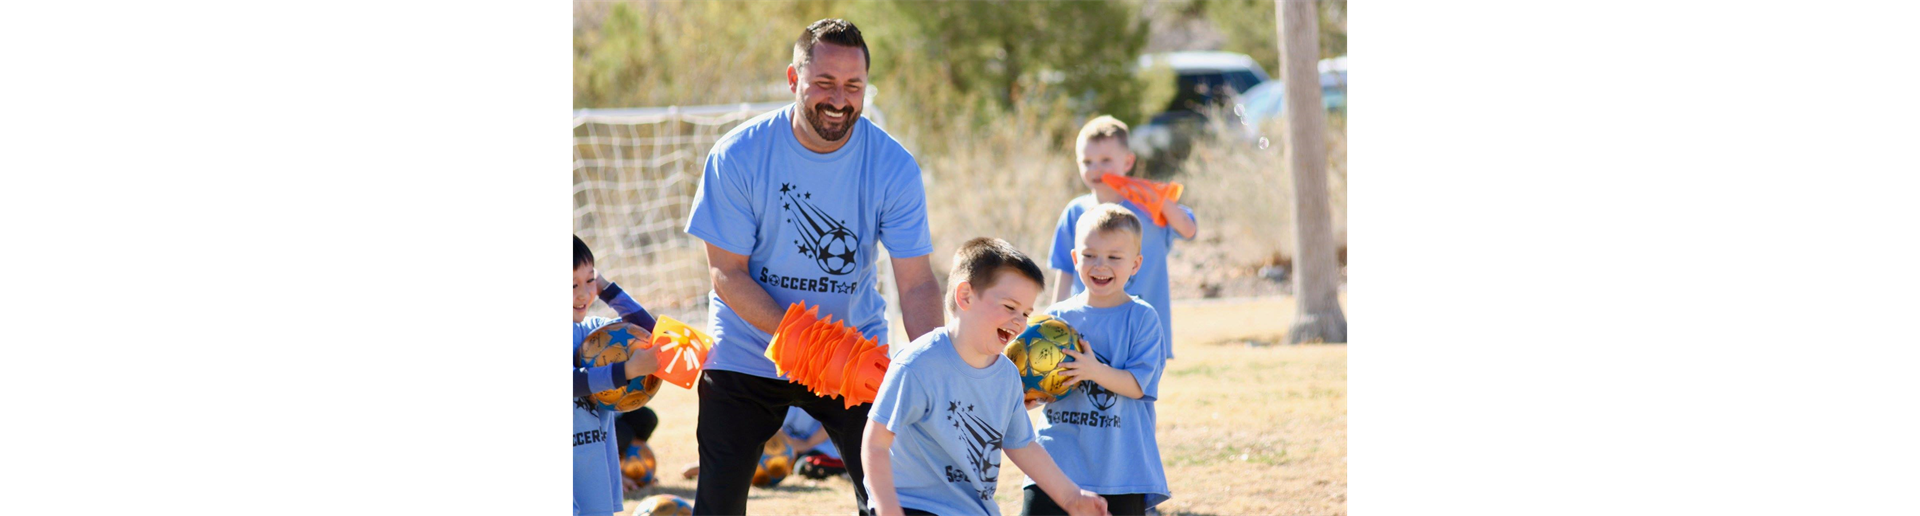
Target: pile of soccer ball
<point x="663" y="505"/>
<point x="776" y="461"/>
<point x="639" y="464"/>
<point x="827" y="357"/>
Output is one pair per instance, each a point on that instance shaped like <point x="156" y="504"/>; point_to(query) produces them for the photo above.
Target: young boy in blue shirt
<point x="1101" y="432"/>
<point x="596" y="451"/>
<point x="951" y="402"/>
<point x="1101" y="149"/>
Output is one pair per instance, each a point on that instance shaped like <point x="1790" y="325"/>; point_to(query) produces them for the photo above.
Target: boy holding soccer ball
<point x="950" y="402"/>
<point x="596" y="451"/>
<point x="1101" y="432"/>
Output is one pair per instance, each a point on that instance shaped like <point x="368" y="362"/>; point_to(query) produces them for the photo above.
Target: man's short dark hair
<point x="581" y="254"/>
<point x="829" y="30"/>
<point x="979" y="262"/>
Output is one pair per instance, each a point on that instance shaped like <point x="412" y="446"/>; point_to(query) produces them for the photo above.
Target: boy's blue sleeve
<point x="903" y="222"/>
<point x="630" y="310"/>
<point x="722" y="211"/>
<point x="1061" y="257"/>
<point x="1147" y="358"/>
<point x="589" y="380"/>
<point x="900" y="402"/>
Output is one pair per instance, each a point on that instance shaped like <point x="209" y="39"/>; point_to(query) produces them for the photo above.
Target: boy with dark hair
<point x="951" y="402"/>
<point x="596" y="450"/>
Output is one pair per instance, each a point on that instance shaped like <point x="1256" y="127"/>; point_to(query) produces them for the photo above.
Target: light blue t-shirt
<point x="1102" y="440"/>
<point x="596" y="457"/>
<point x="950" y="422"/>
<point x="1155" y="241"/>
<point x="801" y="427"/>
<point x="807" y="223"/>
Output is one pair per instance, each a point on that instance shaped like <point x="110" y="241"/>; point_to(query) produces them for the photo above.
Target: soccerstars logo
<point x="823" y="238"/>
<point x="1100" y="397"/>
<point x="982" y="441"/>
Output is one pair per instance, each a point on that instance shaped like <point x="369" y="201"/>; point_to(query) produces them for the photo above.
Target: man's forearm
<point x="920" y="309"/>
<point x="747" y="298"/>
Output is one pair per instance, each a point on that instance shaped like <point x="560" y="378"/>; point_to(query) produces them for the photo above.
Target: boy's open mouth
<point x="1005" y="336"/>
<point x="1100" y="280"/>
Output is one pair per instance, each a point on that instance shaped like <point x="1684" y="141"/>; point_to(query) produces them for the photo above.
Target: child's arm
<point x="1062" y="285"/>
<point x="1039" y="466"/>
<point x="1085" y="368"/>
<point x="819" y="436"/>
<point x="1181" y="219"/>
<point x="879" y="470"/>
<point x="630" y="310"/>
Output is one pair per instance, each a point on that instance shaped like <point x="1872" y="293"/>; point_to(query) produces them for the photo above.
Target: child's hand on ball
<point x="1083" y="367"/>
<point x="643" y="363"/>
<point x="1034" y="403"/>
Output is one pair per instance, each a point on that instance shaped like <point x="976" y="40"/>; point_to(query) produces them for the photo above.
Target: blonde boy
<point x="1101" y="432"/>
<point x="1101" y="149"/>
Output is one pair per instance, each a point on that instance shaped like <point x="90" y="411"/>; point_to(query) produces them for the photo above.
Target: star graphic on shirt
<point x="808" y="195"/>
<point x="786" y="187"/>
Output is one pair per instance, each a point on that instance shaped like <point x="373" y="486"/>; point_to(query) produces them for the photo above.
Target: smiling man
<point x="791" y="205"/>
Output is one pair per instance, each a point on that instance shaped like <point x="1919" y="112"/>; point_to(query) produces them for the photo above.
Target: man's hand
<point x="1086" y="503"/>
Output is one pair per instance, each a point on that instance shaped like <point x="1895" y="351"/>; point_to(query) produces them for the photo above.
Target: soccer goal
<point x="635" y="171"/>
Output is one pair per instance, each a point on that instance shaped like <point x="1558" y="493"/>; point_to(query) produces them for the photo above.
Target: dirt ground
<point x="1246" y="425"/>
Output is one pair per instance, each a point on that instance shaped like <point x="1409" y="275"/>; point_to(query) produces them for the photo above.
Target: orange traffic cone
<point x="1148" y="194"/>
<point x="827" y="357"/>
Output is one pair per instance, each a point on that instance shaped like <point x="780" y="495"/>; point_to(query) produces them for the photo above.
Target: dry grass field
<point x="1246" y="426"/>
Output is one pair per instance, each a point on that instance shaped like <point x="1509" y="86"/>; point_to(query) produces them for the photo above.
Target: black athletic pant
<point x="636" y="424"/>
<point x="739" y="413"/>
<point x="1039" y="504"/>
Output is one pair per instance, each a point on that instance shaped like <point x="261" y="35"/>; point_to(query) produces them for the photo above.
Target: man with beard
<point x="791" y="204"/>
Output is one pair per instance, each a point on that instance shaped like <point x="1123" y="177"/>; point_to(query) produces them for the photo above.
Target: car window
<point x="1199" y="89"/>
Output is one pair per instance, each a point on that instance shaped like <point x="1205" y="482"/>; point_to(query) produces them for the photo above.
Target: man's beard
<point x="819" y="122"/>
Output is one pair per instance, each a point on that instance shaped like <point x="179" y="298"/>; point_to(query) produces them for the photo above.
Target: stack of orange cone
<point x="1148" y="194"/>
<point x="827" y="357"/>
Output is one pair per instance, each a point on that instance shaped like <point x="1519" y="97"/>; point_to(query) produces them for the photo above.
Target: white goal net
<point x="635" y="172"/>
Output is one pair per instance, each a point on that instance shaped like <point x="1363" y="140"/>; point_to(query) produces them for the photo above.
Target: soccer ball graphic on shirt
<point x="836" y="252"/>
<point x="822" y="237"/>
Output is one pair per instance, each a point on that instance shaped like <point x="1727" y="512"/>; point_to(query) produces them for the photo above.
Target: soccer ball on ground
<point x="776" y="461"/>
<point x="663" y="505"/>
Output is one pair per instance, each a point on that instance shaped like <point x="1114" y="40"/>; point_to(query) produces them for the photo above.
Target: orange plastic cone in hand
<point x="682" y="350"/>
<point x="827" y="357"/>
<point x="1151" y="195"/>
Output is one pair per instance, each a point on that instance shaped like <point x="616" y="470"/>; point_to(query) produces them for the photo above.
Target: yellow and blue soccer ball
<point x="613" y="344"/>
<point x="663" y="505"/>
<point x="639" y="464"/>
<point x="776" y="461"/>
<point x="1036" y="354"/>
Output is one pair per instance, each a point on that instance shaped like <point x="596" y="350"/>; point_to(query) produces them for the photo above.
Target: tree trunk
<point x="1316" y="274"/>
